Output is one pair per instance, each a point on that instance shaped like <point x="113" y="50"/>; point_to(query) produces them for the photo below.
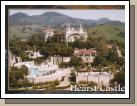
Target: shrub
<point x="72" y="77"/>
<point x="38" y="60"/>
<point x="63" y="87"/>
<point x="119" y="78"/>
<point x="62" y="79"/>
<point x="89" y="83"/>
<point x="64" y="65"/>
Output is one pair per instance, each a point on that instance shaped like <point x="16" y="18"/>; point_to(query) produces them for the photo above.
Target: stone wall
<point x="58" y="59"/>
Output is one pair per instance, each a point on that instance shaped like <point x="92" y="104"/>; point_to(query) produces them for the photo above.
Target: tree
<point x="120" y="63"/>
<point x="102" y="46"/>
<point x="75" y="61"/>
<point x="24" y="70"/>
<point x="119" y="78"/>
<point x="89" y="69"/>
<point x="77" y="69"/>
<point x="17" y="47"/>
<point x="65" y="51"/>
<point x="39" y="60"/>
<point x="35" y="39"/>
<point x="44" y="52"/>
<point x="17" y="76"/>
<point x="100" y="60"/>
<point x="112" y="68"/>
<point x="100" y="68"/>
<point x="58" y="37"/>
<point x="64" y="64"/>
<point x="77" y="44"/>
<point x="112" y="56"/>
<point x="72" y="77"/>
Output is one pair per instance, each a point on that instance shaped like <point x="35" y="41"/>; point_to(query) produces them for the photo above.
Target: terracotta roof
<point x="85" y="52"/>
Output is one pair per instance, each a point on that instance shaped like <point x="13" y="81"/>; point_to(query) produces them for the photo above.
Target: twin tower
<point x="73" y="33"/>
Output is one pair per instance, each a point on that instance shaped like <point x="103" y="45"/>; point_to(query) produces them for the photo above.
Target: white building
<point x="87" y="55"/>
<point x="12" y="59"/>
<point x="48" y="32"/>
<point x="33" y="55"/>
<point x="72" y="33"/>
<point x="116" y="48"/>
<point x="58" y="59"/>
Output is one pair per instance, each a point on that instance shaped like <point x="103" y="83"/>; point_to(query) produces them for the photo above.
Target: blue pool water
<point x="34" y="71"/>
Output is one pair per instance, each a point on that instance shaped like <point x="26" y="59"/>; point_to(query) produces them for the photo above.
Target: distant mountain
<point x="54" y="18"/>
<point x="52" y="14"/>
<point x="103" y="20"/>
<point x="20" y="15"/>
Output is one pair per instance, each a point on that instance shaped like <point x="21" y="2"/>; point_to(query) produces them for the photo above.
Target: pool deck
<point x="103" y="78"/>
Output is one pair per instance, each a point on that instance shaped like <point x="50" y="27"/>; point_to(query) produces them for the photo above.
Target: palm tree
<point x="89" y="69"/>
<point x="77" y="69"/>
<point x="112" y="69"/>
<point x="72" y="77"/>
<point x="100" y="68"/>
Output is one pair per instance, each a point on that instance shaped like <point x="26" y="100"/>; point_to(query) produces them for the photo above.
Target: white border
<point x="126" y="95"/>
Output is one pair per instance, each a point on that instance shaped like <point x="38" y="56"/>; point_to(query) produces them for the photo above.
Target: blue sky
<point x="83" y="14"/>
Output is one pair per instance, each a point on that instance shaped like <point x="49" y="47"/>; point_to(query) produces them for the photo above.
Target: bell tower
<point x="67" y="33"/>
<point x="80" y="29"/>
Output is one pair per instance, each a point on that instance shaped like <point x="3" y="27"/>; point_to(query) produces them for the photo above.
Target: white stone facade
<point x="12" y="59"/>
<point x="71" y="33"/>
<point x="33" y="55"/>
<point x="48" y="32"/>
<point x="58" y="59"/>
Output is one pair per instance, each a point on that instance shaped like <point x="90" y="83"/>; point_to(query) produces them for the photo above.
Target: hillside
<point x="23" y="31"/>
<point x="110" y="32"/>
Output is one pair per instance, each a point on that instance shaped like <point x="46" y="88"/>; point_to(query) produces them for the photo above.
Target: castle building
<point x="48" y="32"/>
<point x="71" y="33"/>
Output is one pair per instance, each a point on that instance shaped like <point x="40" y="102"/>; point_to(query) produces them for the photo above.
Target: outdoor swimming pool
<point x="35" y="72"/>
<point x="42" y="71"/>
<point x="39" y="70"/>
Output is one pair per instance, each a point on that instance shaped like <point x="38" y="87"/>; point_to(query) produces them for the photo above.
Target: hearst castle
<point x="71" y="33"/>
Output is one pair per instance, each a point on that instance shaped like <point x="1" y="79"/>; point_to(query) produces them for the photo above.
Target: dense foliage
<point x="119" y="78"/>
<point x="72" y="77"/>
<point x="55" y="46"/>
<point x="17" y="77"/>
